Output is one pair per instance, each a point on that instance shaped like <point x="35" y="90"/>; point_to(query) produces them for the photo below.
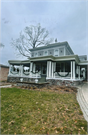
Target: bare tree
<point x="31" y="37"/>
<point x="1" y="45"/>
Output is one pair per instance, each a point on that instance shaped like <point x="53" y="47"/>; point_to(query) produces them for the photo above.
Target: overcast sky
<point x="65" y="20"/>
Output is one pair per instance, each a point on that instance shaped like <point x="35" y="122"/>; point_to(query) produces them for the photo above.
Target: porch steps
<point x="82" y="102"/>
<point x="43" y="79"/>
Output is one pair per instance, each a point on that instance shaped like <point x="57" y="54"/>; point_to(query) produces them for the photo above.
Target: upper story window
<point x="32" y="55"/>
<point x="40" y="53"/>
<point x="45" y="53"/>
<point x="36" y="54"/>
<point x="61" y="51"/>
<point x="56" y="52"/>
<point x="51" y="52"/>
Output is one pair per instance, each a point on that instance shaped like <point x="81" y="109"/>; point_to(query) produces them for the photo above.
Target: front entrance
<point x="43" y="69"/>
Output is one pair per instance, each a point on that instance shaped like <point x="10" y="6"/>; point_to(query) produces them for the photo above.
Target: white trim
<point x="83" y="64"/>
<point x="64" y="79"/>
<point x="79" y="71"/>
<point x="71" y="69"/>
<point x="24" y="76"/>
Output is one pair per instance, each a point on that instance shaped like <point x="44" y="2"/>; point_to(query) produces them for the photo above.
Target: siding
<point x="3" y="73"/>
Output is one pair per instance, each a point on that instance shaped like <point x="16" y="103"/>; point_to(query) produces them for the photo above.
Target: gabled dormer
<point x="55" y="49"/>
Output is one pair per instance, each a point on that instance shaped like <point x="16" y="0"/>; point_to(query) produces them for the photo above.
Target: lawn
<point x="40" y="112"/>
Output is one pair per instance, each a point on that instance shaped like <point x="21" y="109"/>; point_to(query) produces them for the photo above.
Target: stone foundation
<point x="33" y="85"/>
<point x="17" y="79"/>
<point x="49" y="81"/>
<point x="63" y="82"/>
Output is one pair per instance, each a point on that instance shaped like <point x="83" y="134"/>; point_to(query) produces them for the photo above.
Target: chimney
<point x="55" y="40"/>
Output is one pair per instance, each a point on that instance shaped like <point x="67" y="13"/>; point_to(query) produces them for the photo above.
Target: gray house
<point x="55" y="63"/>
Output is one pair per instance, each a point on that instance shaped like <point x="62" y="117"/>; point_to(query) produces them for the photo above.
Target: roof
<point x="54" y="45"/>
<point x="19" y="62"/>
<point x="5" y="66"/>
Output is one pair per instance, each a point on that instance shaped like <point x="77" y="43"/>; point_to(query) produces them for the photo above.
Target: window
<point x="61" y="51"/>
<point x="67" y="67"/>
<point x="51" y="52"/>
<point x="58" y="67"/>
<point x="36" y="54"/>
<point x="56" y="52"/>
<point x="45" y="53"/>
<point x="40" y="53"/>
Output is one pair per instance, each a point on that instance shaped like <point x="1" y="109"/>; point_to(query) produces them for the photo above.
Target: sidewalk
<point x="82" y="98"/>
<point x="5" y="86"/>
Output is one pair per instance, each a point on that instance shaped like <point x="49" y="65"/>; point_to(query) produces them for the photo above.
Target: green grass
<point x="40" y="112"/>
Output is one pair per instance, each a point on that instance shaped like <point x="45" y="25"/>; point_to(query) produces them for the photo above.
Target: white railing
<point x="25" y="74"/>
<point x="63" y="75"/>
<point x="35" y="75"/>
<point x="14" y="73"/>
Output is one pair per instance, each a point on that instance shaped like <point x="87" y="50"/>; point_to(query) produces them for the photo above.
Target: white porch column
<point x="21" y="70"/>
<point x="49" y="68"/>
<point x="9" y="69"/>
<point x="31" y="65"/>
<point x="34" y="67"/>
<point x="73" y="69"/>
<point x="79" y="71"/>
<point x="52" y="69"/>
<point x="84" y="74"/>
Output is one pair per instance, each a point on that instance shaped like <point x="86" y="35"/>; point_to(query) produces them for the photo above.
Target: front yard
<point x="44" y="111"/>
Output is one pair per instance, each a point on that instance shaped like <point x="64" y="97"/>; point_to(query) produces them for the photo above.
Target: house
<point x="55" y="63"/>
<point x="3" y="72"/>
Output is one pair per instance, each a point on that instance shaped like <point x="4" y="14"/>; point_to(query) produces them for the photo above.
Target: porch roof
<point x="19" y="62"/>
<point x="60" y="58"/>
<point x="83" y="63"/>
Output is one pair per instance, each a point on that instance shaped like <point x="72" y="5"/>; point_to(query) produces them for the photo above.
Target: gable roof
<point x="53" y="45"/>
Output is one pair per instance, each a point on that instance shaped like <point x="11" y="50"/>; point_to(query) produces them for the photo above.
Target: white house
<point x="55" y="63"/>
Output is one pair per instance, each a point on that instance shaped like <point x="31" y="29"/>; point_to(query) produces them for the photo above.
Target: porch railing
<point x="63" y="75"/>
<point x="35" y="74"/>
<point x="25" y="74"/>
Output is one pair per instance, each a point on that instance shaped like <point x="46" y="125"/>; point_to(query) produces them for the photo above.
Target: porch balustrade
<point x="65" y="75"/>
<point x="24" y="74"/>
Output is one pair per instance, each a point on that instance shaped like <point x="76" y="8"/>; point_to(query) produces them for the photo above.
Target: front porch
<point x="46" y="71"/>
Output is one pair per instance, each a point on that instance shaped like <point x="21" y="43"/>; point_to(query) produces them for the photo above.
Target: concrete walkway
<point x="82" y="98"/>
<point x="5" y="86"/>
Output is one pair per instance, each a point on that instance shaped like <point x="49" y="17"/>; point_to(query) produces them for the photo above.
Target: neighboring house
<point x="4" y="70"/>
<point x="55" y="63"/>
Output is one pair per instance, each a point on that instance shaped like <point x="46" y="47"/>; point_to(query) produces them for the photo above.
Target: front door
<point x="44" y="69"/>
